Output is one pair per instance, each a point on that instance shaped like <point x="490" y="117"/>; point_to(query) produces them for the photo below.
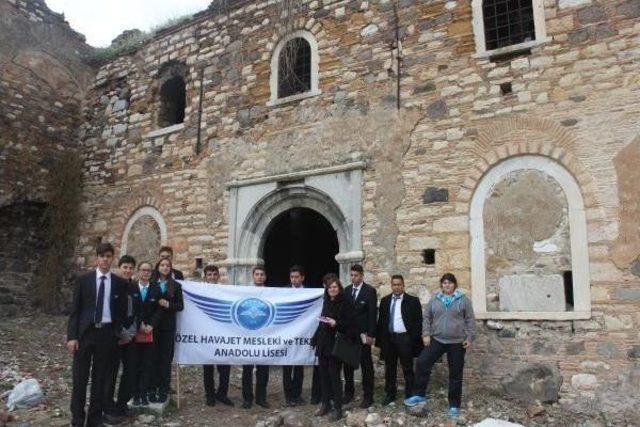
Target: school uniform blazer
<point x="411" y="310"/>
<point x="365" y="308"/>
<point x="164" y="319"/>
<point x="83" y="304"/>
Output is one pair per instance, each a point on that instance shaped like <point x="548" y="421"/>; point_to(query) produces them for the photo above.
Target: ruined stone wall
<point x="574" y="102"/>
<point x="43" y="73"/>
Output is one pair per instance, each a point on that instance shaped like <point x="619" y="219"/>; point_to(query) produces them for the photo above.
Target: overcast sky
<point x="102" y="20"/>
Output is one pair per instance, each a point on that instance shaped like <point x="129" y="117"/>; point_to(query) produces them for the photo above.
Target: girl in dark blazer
<point x="337" y="316"/>
<point x="164" y="328"/>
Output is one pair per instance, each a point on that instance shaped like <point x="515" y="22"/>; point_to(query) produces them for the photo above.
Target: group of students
<point x="116" y="320"/>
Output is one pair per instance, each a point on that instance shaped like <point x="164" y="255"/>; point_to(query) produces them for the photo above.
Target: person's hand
<point x="72" y="346"/>
<point x="148" y="329"/>
<point x="426" y="341"/>
<point x="466" y="344"/>
<point x="332" y="322"/>
<point x="163" y="303"/>
<point x="368" y="340"/>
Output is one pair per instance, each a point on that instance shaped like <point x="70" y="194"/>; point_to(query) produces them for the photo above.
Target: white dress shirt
<point x="106" y="303"/>
<point x="357" y="289"/>
<point x="398" y="323"/>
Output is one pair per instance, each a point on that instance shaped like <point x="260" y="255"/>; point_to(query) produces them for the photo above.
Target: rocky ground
<point x="33" y="347"/>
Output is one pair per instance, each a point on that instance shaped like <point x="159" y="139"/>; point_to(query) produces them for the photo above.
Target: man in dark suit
<point x="98" y="309"/>
<point x="166" y="252"/>
<point x="364" y="299"/>
<point x="399" y="336"/>
<point x="293" y="376"/>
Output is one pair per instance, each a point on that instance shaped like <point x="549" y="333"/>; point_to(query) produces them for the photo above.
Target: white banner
<point x="246" y="325"/>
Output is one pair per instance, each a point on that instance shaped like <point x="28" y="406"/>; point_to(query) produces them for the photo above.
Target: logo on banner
<point x="250" y="313"/>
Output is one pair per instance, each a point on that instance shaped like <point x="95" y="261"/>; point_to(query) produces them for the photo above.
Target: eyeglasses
<point x="146" y="270"/>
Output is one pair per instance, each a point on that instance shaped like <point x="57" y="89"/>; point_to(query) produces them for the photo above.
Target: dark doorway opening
<point x="300" y="236"/>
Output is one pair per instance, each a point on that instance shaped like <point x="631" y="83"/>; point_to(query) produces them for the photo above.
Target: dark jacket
<point x="341" y="310"/>
<point x="365" y="308"/>
<point x="83" y="305"/>
<point x="131" y="320"/>
<point x="177" y="274"/>
<point x="149" y="306"/>
<point x="411" y="317"/>
<point x="164" y="319"/>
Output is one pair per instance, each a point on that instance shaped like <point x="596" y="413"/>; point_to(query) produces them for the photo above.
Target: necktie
<point x="393" y="312"/>
<point x="355" y="292"/>
<point x="100" y="300"/>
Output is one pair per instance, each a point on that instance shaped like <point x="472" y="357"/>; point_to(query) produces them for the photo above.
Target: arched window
<point x="172" y="102"/>
<point x="294" y="68"/>
<point x="529" y="253"/>
<point x="143" y="234"/>
<point x="507" y="24"/>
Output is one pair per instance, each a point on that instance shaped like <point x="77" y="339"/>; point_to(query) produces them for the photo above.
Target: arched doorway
<point x="300" y="236"/>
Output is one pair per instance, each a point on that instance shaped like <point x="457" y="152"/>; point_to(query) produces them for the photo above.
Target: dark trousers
<point x="455" y="359"/>
<point x="330" y="381"/>
<point x="399" y="348"/>
<point x="262" y="378"/>
<point x="316" y="390"/>
<point x="210" y="382"/>
<point x="292" y="379"/>
<point x="366" y="364"/>
<point x="95" y="354"/>
<point x="115" y="369"/>
<point x="164" y="345"/>
<point x="137" y="373"/>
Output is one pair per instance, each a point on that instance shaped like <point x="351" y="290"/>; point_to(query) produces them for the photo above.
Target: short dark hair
<point x="103" y="248"/>
<point x="166" y="249"/>
<point x="329" y="278"/>
<point x="398" y="277"/>
<point x="450" y="277"/>
<point x="126" y="259"/>
<point x="143" y="263"/>
<point x="258" y="267"/>
<point x="211" y="267"/>
<point x="297" y="268"/>
<point x="358" y="268"/>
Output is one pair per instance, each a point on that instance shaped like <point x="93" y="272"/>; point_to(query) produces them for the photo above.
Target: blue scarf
<point x="447" y="300"/>
<point x="163" y="286"/>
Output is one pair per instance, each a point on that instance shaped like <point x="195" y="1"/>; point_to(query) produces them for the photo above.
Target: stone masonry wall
<point x="575" y="99"/>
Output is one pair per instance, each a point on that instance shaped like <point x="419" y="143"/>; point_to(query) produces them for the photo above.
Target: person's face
<point x="104" y="261"/>
<point x="164" y="267"/>
<point x="126" y="270"/>
<point x="397" y="286"/>
<point x="333" y="289"/>
<point x="296" y="278"/>
<point x="166" y="255"/>
<point x="448" y="287"/>
<point x="259" y="277"/>
<point x="212" y="276"/>
<point x="144" y="272"/>
<point x="356" y="277"/>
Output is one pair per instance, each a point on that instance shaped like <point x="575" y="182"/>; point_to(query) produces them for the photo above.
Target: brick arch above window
<point x="507" y="28"/>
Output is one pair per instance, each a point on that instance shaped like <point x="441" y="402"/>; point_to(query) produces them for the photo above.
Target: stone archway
<point x="255" y="204"/>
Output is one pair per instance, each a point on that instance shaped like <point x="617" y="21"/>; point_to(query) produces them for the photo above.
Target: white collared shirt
<point x="357" y="288"/>
<point x="300" y="286"/>
<point x="398" y="323"/>
<point x="106" y="303"/>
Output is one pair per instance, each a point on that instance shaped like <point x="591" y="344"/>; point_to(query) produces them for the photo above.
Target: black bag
<point x="347" y="351"/>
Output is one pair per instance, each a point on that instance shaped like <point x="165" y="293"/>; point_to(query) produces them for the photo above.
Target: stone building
<point x="495" y="139"/>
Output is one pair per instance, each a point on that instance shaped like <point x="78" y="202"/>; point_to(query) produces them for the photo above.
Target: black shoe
<point x="144" y="401"/>
<point x="336" y="415"/>
<point x="366" y="402"/>
<point x="322" y="411"/>
<point x="224" y="400"/>
<point x="347" y="399"/>
<point x="262" y="403"/>
<point x="299" y="401"/>
<point x="211" y="401"/>
<point x="113" y="419"/>
<point x="315" y="400"/>
<point x="387" y="400"/>
<point x="162" y="397"/>
<point x="289" y="403"/>
<point x="137" y="401"/>
<point x="246" y="405"/>
<point x="152" y="396"/>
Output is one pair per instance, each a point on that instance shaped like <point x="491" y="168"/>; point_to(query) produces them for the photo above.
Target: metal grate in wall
<point x="508" y="22"/>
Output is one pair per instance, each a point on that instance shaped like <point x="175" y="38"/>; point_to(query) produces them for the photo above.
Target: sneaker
<point x="414" y="400"/>
<point x="454" y="412"/>
<point x="144" y="401"/>
<point x="137" y="401"/>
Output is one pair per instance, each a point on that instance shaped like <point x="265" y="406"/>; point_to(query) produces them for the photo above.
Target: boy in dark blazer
<point x="365" y="299"/>
<point x="98" y="310"/>
<point x="399" y="336"/>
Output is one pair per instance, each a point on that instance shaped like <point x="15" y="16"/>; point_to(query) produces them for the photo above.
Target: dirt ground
<point x="33" y="347"/>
